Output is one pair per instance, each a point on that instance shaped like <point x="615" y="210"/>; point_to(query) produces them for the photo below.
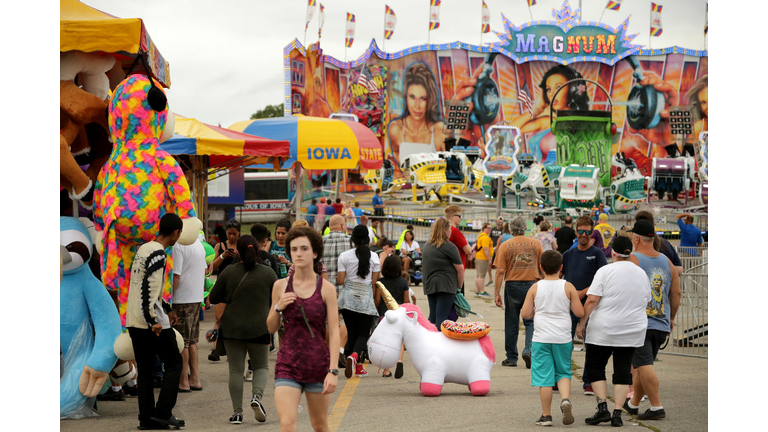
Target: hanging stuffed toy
<point x="88" y="324"/>
<point x="139" y="183"/>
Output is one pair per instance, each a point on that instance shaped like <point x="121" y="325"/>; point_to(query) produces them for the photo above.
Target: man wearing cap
<point x="517" y="264"/>
<point x="615" y="308"/>
<point x="580" y="263"/>
<point x="660" y="312"/>
<point x="690" y="235"/>
<point x="496" y="232"/>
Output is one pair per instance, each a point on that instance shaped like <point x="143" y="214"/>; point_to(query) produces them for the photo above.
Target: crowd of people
<point x="315" y="286"/>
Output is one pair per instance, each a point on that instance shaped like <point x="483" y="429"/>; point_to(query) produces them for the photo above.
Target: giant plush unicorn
<point x="436" y="357"/>
<point x="139" y="183"/>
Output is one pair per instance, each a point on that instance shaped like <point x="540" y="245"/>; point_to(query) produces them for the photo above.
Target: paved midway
<point x="374" y="403"/>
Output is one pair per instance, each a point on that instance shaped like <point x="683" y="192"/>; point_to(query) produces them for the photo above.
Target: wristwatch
<point x="334" y="371"/>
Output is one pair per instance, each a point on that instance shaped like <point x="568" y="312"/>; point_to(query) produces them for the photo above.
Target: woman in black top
<point x="226" y="252"/>
<point x="391" y="278"/>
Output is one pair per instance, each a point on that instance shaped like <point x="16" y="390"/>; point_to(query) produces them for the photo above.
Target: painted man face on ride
<point x="301" y="252"/>
<point x="554" y="82"/>
<point x="417" y="100"/>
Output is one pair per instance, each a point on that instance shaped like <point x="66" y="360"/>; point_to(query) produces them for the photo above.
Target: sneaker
<point x="213" y="356"/>
<point x="566" y="408"/>
<point x="111" y="395"/>
<point x="130" y="391"/>
<point x="351" y="365"/>
<point x="544" y="420"/>
<point x="489" y="283"/>
<point x="631" y="411"/>
<point x="483" y="294"/>
<point x="527" y="359"/>
<point x="342" y="362"/>
<point x="360" y="371"/>
<point x="249" y="376"/>
<point x="237" y="418"/>
<point x="588" y="391"/>
<point x="598" y="417"/>
<point x="258" y="409"/>
<point x="616" y="419"/>
<point x="508" y="363"/>
<point x="644" y="398"/>
<point x="652" y="415"/>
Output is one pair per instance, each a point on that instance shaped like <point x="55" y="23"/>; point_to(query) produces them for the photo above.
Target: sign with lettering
<point x="566" y="40"/>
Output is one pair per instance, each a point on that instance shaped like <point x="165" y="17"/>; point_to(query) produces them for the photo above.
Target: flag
<point x="486" y="28"/>
<point x="706" y="21"/>
<point x="322" y="20"/>
<point x="350" y="30"/>
<point x="614" y="4"/>
<point x="366" y="80"/>
<point x="434" y="14"/>
<point x="389" y="22"/>
<point x="656" y="19"/>
<point x="311" y="6"/>
<point x="525" y="98"/>
<point x="531" y="3"/>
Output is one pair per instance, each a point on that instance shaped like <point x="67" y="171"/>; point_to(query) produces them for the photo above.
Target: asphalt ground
<point x="374" y="403"/>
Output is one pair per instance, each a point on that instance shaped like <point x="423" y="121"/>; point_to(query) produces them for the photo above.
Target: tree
<point x="269" y="111"/>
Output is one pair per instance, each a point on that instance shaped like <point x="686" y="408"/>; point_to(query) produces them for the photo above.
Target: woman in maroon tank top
<point x="307" y="358"/>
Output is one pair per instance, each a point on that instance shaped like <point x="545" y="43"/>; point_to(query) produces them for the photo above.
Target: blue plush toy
<point x="89" y="325"/>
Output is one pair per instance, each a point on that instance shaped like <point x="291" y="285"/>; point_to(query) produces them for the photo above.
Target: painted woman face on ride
<point x="704" y="101"/>
<point x="554" y="82"/>
<point x="417" y="100"/>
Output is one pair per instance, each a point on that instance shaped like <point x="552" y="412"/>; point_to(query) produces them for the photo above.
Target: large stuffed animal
<point x="89" y="324"/>
<point x="139" y="183"/>
<point x="83" y="128"/>
<point x="437" y="358"/>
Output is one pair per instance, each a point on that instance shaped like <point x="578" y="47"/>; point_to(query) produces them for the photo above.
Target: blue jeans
<point x="514" y="297"/>
<point x="440" y="308"/>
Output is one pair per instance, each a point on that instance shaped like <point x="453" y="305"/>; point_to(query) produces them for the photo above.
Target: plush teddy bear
<point x="89" y="323"/>
<point x="83" y="128"/>
<point x="139" y="183"/>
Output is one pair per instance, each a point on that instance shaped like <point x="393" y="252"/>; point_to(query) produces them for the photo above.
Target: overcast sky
<point x="226" y="56"/>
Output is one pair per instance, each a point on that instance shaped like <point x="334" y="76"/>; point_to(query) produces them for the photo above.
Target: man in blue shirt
<point x="580" y="264"/>
<point x="311" y="212"/>
<point x="690" y="235"/>
<point x="378" y="204"/>
<point x="597" y="211"/>
<point x="358" y="212"/>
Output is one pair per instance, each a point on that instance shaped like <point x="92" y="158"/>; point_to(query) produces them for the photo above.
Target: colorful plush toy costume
<point x="137" y="186"/>
<point x="88" y="327"/>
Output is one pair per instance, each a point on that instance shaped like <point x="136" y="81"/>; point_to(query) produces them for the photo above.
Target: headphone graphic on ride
<point x="645" y="102"/>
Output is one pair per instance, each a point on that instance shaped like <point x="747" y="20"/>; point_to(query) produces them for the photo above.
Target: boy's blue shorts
<point x="550" y="362"/>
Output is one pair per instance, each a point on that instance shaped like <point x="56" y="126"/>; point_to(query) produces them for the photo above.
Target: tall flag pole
<point x="531" y="3"/>
<point x="390" y="19"/>
<point x="486" y="25"/>
<point x="321" y="20"/>
<point x="613" y="5"/>
<point x="311" y="6"/>
<point x="655" y="22"/>
<point x="434" y="16"/>
<point x="350" y="33"/>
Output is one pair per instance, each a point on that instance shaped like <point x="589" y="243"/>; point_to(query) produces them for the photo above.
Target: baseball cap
<point x="622" y="246"/>
<point x="643" y="228"/>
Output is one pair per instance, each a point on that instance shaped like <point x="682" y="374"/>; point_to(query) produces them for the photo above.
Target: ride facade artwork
<point x="565" y="73"/>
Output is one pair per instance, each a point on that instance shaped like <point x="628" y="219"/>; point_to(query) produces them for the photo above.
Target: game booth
<point x="624" y="124"/>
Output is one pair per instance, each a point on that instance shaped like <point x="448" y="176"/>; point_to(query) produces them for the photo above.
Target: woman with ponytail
<point x="245" y="289"/>
<point x="358" y="272"/>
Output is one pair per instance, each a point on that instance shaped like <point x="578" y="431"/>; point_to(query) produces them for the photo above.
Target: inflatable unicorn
<point x="437" y="358"/>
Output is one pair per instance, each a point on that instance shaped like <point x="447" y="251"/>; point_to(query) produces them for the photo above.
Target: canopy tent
<point x="224" y="148"/>
<point x="83" y="28"/>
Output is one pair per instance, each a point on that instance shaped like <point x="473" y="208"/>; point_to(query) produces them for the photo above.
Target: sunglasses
<point x="458" y="216"/>
<point x="584" y="232"/>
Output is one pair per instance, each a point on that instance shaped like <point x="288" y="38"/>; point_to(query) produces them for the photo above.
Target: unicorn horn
<point x="388" y="299"/>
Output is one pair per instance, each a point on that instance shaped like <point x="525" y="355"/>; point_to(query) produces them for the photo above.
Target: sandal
<point x="387" y="375"/>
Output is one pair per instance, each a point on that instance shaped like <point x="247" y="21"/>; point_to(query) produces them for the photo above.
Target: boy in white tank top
<point x="549" y="302"/>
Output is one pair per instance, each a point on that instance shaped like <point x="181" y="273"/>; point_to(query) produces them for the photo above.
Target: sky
<point x="226" y="56"/>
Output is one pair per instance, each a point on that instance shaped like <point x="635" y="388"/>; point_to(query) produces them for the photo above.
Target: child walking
<point x="548" y="302"/>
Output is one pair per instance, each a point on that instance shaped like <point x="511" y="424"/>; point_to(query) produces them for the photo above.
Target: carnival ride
<point x="672" y="175"/>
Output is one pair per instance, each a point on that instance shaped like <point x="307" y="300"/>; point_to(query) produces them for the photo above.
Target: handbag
<point x="220" y="350"/>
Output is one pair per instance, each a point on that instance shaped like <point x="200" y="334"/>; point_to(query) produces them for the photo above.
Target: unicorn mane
<point x="419" y="316"/>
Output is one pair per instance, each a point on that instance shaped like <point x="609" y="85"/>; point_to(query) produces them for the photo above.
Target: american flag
<point x="525" y="98"/>
<point x="366" y="80"/>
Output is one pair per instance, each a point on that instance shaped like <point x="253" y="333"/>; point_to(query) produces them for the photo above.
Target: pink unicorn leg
<point x="429" y="389"/>
<point x="480" y="388"/>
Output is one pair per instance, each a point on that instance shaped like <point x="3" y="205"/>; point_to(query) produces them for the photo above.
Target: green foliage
<point x="268" y="112"/>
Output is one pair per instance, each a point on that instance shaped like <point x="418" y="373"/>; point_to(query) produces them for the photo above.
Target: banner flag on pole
<point x="390" y="19"/>
<point x="434" y="14"/>
<point x="366" y="80"/>
<point x="531" y="3"/>
<point x="486" y="19"/>
<point x="656" y="19"/>
<point x="525" y="98"/>
<point x="311" y="6"/>
<point x="350" y="30"/>
<point x="614" y="5"/>
<point x="322" y="21"/>
<point x="706" y="21"/>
